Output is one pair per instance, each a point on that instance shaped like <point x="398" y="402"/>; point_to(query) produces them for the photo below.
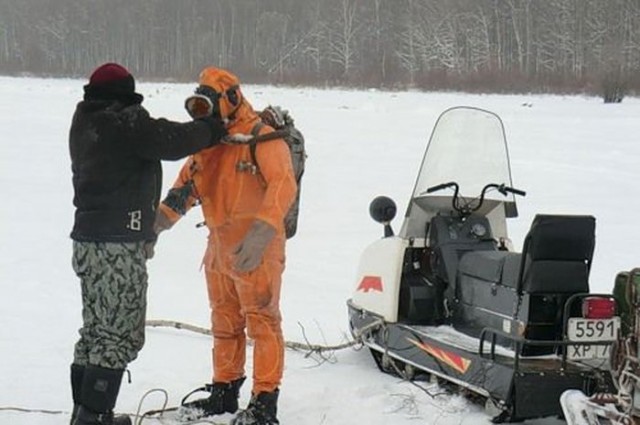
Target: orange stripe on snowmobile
<point x="370" y="283"/>
<point x="453" y="360"/>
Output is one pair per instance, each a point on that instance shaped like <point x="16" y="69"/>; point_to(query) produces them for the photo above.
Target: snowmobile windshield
<point x="468" y="147"/>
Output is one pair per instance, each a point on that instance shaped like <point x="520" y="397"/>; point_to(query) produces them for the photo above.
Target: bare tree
<point x="342" y="37"/>
<point x="490" y="44"/>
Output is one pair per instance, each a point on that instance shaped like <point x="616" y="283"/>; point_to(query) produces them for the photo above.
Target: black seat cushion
<point x="499" y="267"/>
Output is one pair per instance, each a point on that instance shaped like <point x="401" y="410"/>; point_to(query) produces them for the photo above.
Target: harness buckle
<point x="246" y="166"/>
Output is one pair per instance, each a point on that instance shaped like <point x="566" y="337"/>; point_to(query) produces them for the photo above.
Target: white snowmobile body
<point x="447" y="295"/>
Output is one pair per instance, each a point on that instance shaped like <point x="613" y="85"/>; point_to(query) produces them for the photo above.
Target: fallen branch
<point x="177" y="325"/>
<point x="298" y="346"/>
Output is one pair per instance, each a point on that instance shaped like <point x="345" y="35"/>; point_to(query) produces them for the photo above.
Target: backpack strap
<point x="255" y="132"/>
<point x="258" y="138"/>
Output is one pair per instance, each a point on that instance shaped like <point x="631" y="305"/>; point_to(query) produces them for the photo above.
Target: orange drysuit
<point x="233" y="196"/>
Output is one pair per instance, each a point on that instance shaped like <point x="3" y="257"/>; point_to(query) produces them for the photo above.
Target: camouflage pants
<point x="114" y="289"/>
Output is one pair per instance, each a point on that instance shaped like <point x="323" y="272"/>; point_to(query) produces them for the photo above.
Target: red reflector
<point x="598" y="308"/>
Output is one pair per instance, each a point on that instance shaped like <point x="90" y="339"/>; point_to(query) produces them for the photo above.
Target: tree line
<point x="481" y="45"/>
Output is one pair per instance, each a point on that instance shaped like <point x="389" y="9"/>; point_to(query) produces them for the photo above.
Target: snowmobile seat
<point x="557" y="254"/>
<point x="511" y="269"/>
<point x="486" y="266"/>
<point x="492" y="267"/>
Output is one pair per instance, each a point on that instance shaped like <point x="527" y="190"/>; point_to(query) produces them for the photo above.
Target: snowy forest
<point x="472" y="45"/>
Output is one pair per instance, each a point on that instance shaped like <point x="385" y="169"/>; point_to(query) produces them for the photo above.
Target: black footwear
<point x="97" y="397"/>
<point x="262" y="410"/>
<point x="77" y="374"/>
<point x="223" y="398"/>
<point x="87" y="417"/>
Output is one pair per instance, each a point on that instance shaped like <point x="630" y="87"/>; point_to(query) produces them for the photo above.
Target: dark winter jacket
<point x="117" y="175"/>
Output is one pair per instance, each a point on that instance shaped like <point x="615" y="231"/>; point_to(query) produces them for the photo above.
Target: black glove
<point x="216" y="127"/>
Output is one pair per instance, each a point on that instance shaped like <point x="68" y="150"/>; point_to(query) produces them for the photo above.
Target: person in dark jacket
<point x="116" y="148"/>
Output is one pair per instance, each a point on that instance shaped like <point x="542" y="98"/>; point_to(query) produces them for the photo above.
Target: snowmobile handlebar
<point x="504" y="189"/>
<point x="466" y="208"/>
<point x="443" y="186"/>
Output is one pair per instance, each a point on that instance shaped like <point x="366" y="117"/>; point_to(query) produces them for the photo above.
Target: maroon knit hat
<point x="112" y="81"/>
<point x="107" y="73"/>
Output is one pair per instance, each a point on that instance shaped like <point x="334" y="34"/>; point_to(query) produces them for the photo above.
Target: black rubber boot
<point x="86" y="417"/>
<point x="100" y="387"/>
<point x="77" y="374"/>
<point x="262" y="410"/>
<point x="223" y="399"/>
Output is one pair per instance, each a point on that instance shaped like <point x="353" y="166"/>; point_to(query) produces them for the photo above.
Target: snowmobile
<point x="449" y="299"/>
<point x="621" y="407"/>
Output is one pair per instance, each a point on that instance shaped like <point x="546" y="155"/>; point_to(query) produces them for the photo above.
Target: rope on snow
<point x="151" y="414"/>
<point x="297" y="346"/>
<point x="25" y="410"/>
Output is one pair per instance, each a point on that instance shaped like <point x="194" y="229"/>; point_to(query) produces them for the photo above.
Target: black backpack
<point x="282" y="123"/>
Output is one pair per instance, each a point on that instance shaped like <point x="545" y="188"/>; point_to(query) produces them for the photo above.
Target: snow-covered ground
<point x="571" y="155"/>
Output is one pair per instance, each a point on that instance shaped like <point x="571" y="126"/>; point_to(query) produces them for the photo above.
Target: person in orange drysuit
<point x="244" y="205"/>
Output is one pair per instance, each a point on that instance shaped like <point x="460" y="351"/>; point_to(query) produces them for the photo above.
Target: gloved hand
<point x="250" y="250"/>
<point x="162" y="222"/>
<point x="149" y="249"/>
<point x="217" y="128"/>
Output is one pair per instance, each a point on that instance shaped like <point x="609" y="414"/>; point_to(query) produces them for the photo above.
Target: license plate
<point x="593" y="330"/>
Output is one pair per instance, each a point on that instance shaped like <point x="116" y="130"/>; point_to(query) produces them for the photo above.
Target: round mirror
<point x="382" y="209"/>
